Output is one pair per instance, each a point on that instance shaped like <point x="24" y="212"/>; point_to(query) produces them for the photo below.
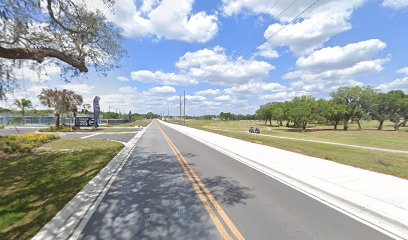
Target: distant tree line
<point x="230" y="116"/>
<point x="346" y="104"/>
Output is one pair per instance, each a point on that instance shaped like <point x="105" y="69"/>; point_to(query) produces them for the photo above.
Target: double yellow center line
<point x="208" y="200"/>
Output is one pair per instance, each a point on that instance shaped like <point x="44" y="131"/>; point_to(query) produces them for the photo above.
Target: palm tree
<point x="23" y="104"/>
<point x="61" y="100"/>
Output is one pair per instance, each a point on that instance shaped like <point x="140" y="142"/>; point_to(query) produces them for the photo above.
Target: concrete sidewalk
<point x="378" y="200"/>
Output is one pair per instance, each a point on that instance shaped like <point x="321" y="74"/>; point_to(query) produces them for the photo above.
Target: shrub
<point x="60" y="129"/>
<point x="24" y="143"/>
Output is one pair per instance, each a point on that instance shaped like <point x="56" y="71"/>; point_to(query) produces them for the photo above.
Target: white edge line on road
<point x="328" y="199"/>
<point x="69" y="222"/>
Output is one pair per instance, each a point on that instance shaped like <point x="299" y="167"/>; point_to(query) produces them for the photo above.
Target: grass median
<point x="395" y="164"/>
<point x="35" y="186"/>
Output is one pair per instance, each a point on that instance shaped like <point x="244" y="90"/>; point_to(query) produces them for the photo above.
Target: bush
<point x="60" y="129"/>
<point x="24" y="143"/>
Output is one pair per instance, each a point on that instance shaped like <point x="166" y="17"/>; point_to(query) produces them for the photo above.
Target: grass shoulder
<point x="35" y="186"/>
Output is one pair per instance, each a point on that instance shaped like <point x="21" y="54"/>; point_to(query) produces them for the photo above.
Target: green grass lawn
<point x="35" y="186"/>
<point x="143" y="122"/>
<point x="383" y="162"/>
<point x="367" y="137"/>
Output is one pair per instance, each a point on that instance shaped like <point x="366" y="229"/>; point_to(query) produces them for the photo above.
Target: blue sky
<point x="211" y="49"/>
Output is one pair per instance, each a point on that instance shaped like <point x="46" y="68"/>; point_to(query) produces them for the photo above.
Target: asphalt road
<point x="211" y="196"/>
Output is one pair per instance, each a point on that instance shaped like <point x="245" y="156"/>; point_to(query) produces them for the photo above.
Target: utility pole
<point x="184" y="107"/>
<point x="180" y="108"/>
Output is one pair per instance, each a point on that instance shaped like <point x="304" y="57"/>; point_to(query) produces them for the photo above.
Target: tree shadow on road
<point x="152" y="198"/>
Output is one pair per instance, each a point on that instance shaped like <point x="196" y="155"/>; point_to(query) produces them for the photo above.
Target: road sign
<point x="84" y="122"/>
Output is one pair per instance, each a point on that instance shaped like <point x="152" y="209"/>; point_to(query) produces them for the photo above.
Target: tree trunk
<point x="380" y="127"/>
<point x="345" y="124"/>
<point x="266" y="120"/>
<point x="359" y="124"/>
<point x="287" y="124"/>
<point x="57" y="120"/>
<point x="280" y="123"/>
<point x="270" y="122"/>
<point x="336" y="123"/>
<point x="397" y="125"/>
<point x="304" y="126"/>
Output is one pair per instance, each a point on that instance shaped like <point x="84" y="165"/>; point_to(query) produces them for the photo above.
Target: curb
<point x="376" y="218"/>
<point x="72" y="218"/>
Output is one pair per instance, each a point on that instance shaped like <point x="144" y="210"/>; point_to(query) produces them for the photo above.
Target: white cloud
<point x="267" y="51"/>
<point x="127" y="90"/>
<point x="395" y="4"/>
<point x="44" y="74"/>
<point x="189" y="98"/>
<point x="161" y="90"/>
<point x="146" y="76"/>
<point x="403" y="70"/>
<point x="327" y="69"/>
<point x="316" y="26"/>
<point x="80" y="88"/>
<point x="397" y="84"/>
<point x="323" y="85"/>
<point x="193" y="98"/>
<point x="209" y="66"/>
<point x="168" y="19"/>
<point x="363" y="67"/>
<point x="217" y="68"/>
<point x="203" y="57"/>
<point x="340" y="57"/>
<point x="255" y="88"/>
<point x="208" y="92"/>
<point x="282" y="96"/>
<point x="123" y="79"/>
<point x="223" y="98"/>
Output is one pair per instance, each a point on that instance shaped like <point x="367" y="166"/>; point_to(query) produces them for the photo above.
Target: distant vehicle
<point x="251" y="130"/>
<point x="257" y="131"/>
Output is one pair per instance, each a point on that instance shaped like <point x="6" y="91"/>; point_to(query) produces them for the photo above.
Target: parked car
<point x="257" y="131"/>
<point x="251" y="130"/>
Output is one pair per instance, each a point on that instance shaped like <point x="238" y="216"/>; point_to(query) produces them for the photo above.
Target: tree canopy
<point x="61" y="100"/>
<point x="66" y="33"/>
<point x="347" y="104"/>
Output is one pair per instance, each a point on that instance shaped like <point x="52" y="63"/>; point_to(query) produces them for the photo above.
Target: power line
<point x="253" y="36"/>
<point x="272" y="35"/>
